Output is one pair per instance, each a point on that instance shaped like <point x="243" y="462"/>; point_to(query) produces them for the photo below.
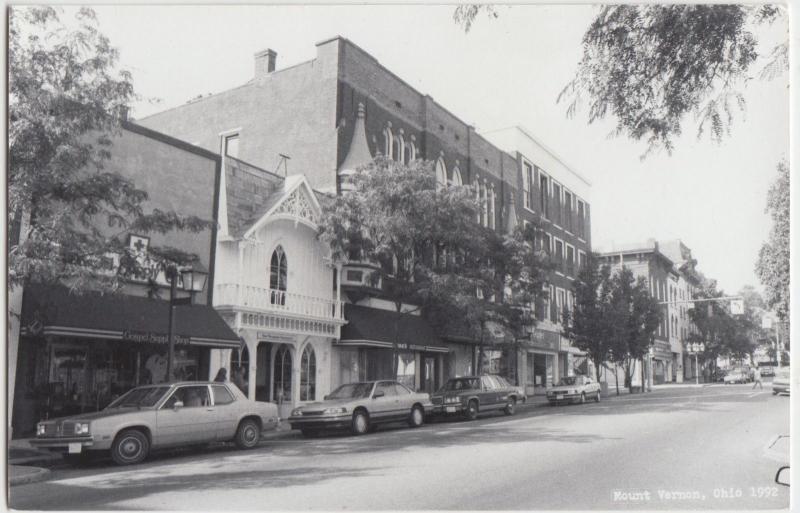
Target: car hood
<point x="563" y="388"/>
<point x="332" y="403"/>
<point x="97" y="414"/>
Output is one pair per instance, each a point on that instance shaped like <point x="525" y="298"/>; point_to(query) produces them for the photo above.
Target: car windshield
<point x="462" y="384"/>
<point x="144" y="396"/>
<point x="568" y="381"/>
<point x="352" y="391"/>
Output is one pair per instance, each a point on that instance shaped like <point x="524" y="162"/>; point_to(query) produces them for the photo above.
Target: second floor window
<point x="232" y="146"/>
<point x="527" y="181"/>
<point x="277" y="276"/>
<point x="543" y="196"/>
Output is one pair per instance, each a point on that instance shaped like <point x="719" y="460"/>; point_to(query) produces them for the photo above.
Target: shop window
<point x="240" y="368"/>
<point x="282" y="376"/>
<point x="406" y="370"/>
<point x="277" y="277"/>
<point x="308" y="374"/>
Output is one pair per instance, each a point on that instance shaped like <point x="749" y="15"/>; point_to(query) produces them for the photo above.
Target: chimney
<point x="265" y="62"/>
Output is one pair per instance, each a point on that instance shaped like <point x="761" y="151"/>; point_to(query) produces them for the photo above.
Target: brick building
<point x="337" y="111"/>
<point x="77" y="352"/>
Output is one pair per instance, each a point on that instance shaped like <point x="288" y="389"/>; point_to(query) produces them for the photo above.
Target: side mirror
<point x="178" y="405"/>
<point x="782" y="477"/>
<point x="377" y="395"/>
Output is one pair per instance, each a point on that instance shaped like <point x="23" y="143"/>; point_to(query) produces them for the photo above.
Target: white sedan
<point x="574" y="389"/>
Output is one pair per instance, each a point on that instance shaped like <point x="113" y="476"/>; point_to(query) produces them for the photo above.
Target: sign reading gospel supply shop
<point x="152" y="337"/>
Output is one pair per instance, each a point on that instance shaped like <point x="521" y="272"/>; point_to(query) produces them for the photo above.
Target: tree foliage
<point x="650" y="66"/>
<point x="67" y="215"/>
<point x="772" y="266"/>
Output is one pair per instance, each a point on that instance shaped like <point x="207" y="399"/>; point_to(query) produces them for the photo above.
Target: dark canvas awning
<point x="373" y="327"/>
<point x="52" y="310"/>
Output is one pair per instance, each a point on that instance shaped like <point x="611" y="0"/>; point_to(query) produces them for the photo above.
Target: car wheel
<point x="360" y="424"/>
<point x="583" y="397"/>
<point x="597" y="397"/>
<point x="417" y="417"/>
<point x="247" y="434"/>
<point x="509" y="409"/>
<point x="472" y="410"/>
<point x="130" y="447"/>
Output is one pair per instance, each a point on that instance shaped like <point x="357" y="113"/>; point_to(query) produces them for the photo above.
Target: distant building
<point x="672" y="279"/>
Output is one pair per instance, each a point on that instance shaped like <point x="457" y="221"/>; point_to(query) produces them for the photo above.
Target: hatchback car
<point x="158" y="416"/>
<point x="470" y="395"/>
<point x="362" y="406"/>
<point x="572" y="389"/>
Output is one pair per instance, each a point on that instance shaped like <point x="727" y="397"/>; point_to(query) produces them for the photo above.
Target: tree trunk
<point x="643" y="374"/>
<point x="396" y="341"/>
<point x="616" y="377"/>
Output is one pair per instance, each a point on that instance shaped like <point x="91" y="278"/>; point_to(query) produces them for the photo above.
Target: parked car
<point x="468" y="396"/>
<point x="720" y="375"/>
<point x="157" y="416"/>
<point x="574" y="389"/>
<point x="767" y="369"/>
<point x="360" y="406"/>
<point x="736" y="376"/>
<point x="780" y="383"/>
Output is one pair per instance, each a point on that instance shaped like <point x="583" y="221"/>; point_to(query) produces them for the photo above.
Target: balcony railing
<point x="272" y="300"/>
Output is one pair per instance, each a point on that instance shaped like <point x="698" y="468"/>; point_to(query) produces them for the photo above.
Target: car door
<point x="227" y="410"/>
<point x="193" y="422"/>
<point x="488" y="393"/>
<point x="383" y="406"/>
<point x="405" y="399"/>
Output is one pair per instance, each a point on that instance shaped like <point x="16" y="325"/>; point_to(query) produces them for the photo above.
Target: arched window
<point x="457" y="177"/>
<point x="413" y="148"/>
<point x="397" y="148"/>
<point x="441" y="174"/>
<point x="408" y="152"/>
<point x="282" y="375"/>
<point x="387" y="142"/>
<point x="277" y="277"/>
<point x="308" y="375"/>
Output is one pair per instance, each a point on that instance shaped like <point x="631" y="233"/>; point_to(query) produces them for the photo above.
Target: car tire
<point x="583" y="397"/>
<point x="597" y="397"/>
<point x="471" y="413"/>
<point x="510" y="406"/>
<point x="360" y="424"/>
<point x="248" y="434"/>
<point x="417" y="417"/>
<point x="130" y="447"/>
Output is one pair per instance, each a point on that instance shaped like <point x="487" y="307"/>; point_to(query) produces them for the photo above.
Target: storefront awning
<point x="52" y="310"/>
<point x="372" y="327"/>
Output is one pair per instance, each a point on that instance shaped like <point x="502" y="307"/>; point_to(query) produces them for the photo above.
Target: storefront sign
<point x="152" y="338"/>
<point x="545" y="339"/>
<point x="275" y="337"/>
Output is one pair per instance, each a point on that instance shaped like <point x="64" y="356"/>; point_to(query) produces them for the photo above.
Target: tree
<point x="68" y="218"/>
<point x="651" y="66"/>
<point x="773" y="264"/>
<point x="501" y="279"/>
<point x="587" y="326"/>
<point x="420" y="236"/>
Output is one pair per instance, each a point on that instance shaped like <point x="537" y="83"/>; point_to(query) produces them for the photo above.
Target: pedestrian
<point x="757" y="379"/>
<point x="222" y="376"/>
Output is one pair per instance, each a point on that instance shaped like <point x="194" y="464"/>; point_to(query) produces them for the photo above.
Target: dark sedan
<point x="469" y="395"/>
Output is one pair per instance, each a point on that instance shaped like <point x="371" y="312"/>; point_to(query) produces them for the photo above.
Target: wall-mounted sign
<point x="545" y="339"/>
<point x="268" y="336"/>
<point x="149" y="337"/>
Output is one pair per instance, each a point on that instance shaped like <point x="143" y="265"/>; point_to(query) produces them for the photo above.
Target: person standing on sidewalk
<point x="757" y="379"/>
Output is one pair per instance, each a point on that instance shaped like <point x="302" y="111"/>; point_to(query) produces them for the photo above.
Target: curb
<point x="30" y="475"/>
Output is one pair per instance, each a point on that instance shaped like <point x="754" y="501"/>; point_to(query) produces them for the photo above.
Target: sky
<point x="506" y="71"/>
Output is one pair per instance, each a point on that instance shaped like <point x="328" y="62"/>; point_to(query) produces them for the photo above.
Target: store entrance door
<point x="263" y="369"/>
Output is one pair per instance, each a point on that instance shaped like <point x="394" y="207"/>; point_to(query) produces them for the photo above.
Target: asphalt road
<point x="676" y="448"/>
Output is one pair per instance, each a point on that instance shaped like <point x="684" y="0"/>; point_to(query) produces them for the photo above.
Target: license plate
<point x="74" y="448"/>
<point x="450" y="409"/>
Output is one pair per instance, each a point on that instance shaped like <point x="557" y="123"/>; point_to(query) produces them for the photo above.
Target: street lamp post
<point x="193" y="280"/>
<point x="696" y="349"/>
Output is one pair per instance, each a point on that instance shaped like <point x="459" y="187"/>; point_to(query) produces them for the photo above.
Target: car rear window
<point x="221" y="395"/>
